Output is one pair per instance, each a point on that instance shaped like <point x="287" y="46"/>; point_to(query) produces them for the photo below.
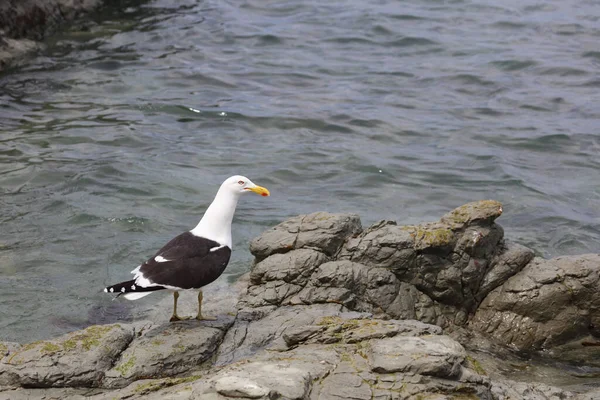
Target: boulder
<point x="548" y="303"/>
<point x="167" y="350"/>
<point x="509" y="390"/>
<point x="253" y="332"/>
<point x="23" y="21"/>
<point x="451" y="264"/>
<point x="322" y="231"/>
<point x="77" y="359"/>
<point x="438" y="356"/>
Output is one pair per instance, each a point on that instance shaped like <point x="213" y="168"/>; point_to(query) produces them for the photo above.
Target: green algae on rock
<point x="75" y="359"/>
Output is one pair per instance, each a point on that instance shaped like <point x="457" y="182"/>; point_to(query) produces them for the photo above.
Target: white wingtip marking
<point x="112" y="290"/>
<point x="160" y="259"/>
<point x="123" y="289"/>
<point x="105" y="290"/>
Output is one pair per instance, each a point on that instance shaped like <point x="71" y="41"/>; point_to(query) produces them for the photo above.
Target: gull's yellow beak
<point x="260" y="190"/>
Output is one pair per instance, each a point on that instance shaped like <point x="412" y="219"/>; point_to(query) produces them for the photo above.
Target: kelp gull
<point x="193" y="259"/>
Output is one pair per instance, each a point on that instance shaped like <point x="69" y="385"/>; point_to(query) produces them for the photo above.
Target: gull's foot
<point x="205" y="318"/>
<point x="175" y="318"/>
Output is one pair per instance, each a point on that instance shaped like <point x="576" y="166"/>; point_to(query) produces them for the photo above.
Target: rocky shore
<point x="334" y="311"/>
<point x="23" y="23"/>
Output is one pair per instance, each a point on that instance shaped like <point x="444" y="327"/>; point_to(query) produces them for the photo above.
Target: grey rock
<point x="436" y="272"/>
<point x="444" y="263"/>
<point x="477" y="212"/>
<point x="511" y="260"/>
<point x="584" y="352"/>
<point x="77" y="359"/>
<point x="438" y="356"/>
<point x="509" y="390"/>
<point x="591" y="395"/>
<point x="341" y="282"/>
<point x="280" y="276"/>
<point x="248" y="337"/>
<point x="288" y="375"/>
<point x="548" y="303"/>
<point x="451" y="265"/>
<point x="23" y="21"/>
<point x="260" y="379"/>
<point x="323" y="231"/>
<point x="296" y="335"/>
<point x="354" y="330"/>
<point x="168" y="350"/>
<point x="241" y="386"/>
<point x="46" y="394"/>
<point x="383" y="245"/>
<point x="179" y="388"/>
<point x="293" y="267"/>
<point x="8" y="348"/>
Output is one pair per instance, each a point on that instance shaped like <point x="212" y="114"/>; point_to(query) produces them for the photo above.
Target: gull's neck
<point x="216" y="222"/>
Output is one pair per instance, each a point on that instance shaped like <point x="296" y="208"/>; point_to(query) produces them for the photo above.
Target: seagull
<point x="195" y="258"/>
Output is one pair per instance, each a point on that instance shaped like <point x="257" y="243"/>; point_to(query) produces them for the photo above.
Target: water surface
<point x="115" y="138"/>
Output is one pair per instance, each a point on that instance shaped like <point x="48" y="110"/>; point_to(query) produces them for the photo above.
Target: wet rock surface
<point x="331" y="311"/>
<point x="24" y="22"/>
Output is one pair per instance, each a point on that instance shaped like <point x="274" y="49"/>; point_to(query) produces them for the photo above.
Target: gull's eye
<point x="241" y="182"/>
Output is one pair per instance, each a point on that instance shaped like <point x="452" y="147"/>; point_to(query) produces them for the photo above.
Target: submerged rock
<point x="22" y="22"/>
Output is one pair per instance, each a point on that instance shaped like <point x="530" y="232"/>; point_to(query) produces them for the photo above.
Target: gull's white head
<point x="239" y="184"/>
<point x="216" y="222"/>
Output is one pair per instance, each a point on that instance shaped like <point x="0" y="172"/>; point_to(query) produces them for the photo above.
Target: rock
<point x="46" y="394"/>
<point x="8" y="348"/>
<point x="583" y="353"/>
<point x="22" y="21"/>
<point x="293" y="267"/>
<point x="592" y="395"/>
<point x="322" y="231"/>
<point x="509" y="390"/>
<point x="382" y="245"/>
<point x="247" y="337"/>
<point x="179" y="388"/>
<point x="511" y="259"/>
<point x="240" y="386"/>
<point x="437" y="273"/>
<point x="341" y="282"/>
<point x="296" y="335"/>
<point x="268" y="375"/>
<point x="482" y="212"/>
<point x="548" y="303"/>
<point x="438" y="356"/>
<point x="257" y="379"/>
<point x="168" y="350"/>
<point x="442" y="265"/>
<point x="77" y="359"/>
<point x="281" y="276"/>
